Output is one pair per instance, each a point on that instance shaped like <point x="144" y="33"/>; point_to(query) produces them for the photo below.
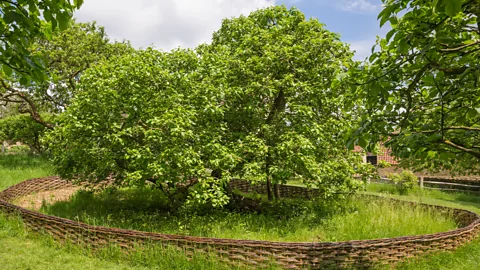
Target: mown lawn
<point x="23" y="250"/>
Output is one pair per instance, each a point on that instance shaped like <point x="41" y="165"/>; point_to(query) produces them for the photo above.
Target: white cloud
<point x="166" y="24"/>
<point x="362" y="48"/>
<point x="359" y="6"/>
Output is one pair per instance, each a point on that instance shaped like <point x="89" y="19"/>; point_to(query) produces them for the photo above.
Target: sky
<point x="168" y="24"/>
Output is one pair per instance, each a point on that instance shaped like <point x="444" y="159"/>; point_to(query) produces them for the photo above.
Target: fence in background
<point x="445" y="184"/>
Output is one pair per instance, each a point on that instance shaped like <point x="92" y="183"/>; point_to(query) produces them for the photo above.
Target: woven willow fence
<point x="290" y="255"/>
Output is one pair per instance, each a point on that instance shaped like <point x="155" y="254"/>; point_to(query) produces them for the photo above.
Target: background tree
<point x="22" y="128"/>
<point x="421" y="88"/>
<point x="21" y="21"/>
<point x="277" y="82"/>
<point x="67" y="54"/>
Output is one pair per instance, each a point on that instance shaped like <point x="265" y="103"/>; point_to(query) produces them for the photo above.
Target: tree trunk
<point x="278" y="106"/>
<point x="216" y="174"/>
<point x="269" y="188"/>
<point x="268" y="162"/>
<point x="276" y="192"/>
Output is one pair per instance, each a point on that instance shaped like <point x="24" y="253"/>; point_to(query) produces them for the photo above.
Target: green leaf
<point x="8" y="70"/>
<point x="78" y="3"/>
<point x="403" y="47"/>
<point x="390" y="34"/>
<point x="24" y="80"/>
<point x="63" y="20"/>
<point x="452" y="7"/>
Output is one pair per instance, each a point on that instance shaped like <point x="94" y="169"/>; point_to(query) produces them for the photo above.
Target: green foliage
<point x="82" y="45"/>
<point x="384" y="164"/>
<point x="22" y="128"/>
<point x="420" y="89"/>
<point x="262" y="101"/>
<point x="277" y="81"/>
<point x="136" y="120"/>
<point x="20" y="23"/>
<point x="404" y="181"/>
<point x="18" y="149"/>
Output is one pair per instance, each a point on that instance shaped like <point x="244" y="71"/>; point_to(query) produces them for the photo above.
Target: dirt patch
<point x="35" y="201"/>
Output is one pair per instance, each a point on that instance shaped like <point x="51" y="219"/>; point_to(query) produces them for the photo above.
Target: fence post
<point x="420" y="182"/>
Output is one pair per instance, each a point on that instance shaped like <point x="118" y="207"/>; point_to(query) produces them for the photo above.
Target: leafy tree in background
<point x="279" y="89"/>
<point x="22" y="128"/>
<point x="421" y="88"/>
<point x="21" y="22"/>
<point x="66" y="54"/>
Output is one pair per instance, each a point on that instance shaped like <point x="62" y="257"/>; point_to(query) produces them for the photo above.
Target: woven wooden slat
<point x="290" y="255"/>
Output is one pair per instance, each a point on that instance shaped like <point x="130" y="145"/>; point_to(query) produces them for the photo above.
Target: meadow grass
<point x="21" y="249"/>
<point x="287" y="220"/>
<point x="16" y="168"/>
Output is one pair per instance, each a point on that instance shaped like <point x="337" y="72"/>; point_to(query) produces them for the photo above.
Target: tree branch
<point x="33" y="108"/>
<point x="460" y="47"/>
<point x="462" y="148"/>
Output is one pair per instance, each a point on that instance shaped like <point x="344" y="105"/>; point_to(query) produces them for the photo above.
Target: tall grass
<point x="20" y="249"/>
<point x="288" y="220"/>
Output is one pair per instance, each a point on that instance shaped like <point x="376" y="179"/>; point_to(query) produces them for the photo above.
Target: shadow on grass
<point x="150" y="210"/>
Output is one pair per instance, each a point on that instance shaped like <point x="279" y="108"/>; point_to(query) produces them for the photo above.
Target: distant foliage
<point x="384" y="164"/>
<point x="22" y="128"/>
<point x="18" y="149"/>
<point x="404" y="181"/>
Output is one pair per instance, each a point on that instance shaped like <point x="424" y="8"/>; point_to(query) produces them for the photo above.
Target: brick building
<point x="373" y="158"/>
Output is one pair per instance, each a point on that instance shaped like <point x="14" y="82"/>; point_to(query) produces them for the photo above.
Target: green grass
<point x="16" y="168"/>
<point x="288" y="220"/>
<point x="20" y="249"/>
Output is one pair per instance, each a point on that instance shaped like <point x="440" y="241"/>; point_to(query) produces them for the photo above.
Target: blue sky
<point x="168" y="24"/>
<point x="355" y="20"/>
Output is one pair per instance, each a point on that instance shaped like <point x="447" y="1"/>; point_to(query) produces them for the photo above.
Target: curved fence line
<point x="291" y="255"/>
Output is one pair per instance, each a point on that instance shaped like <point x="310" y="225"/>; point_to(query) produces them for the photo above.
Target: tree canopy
<point x="278" y="82"/>
<point x="134" y="121"/>
<point x="21" y="22"/>
<point x="66" y="55"/>
<point x="420" y="89"/>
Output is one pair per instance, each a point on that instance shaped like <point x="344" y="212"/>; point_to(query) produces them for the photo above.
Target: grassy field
<point x="22" y="250"/>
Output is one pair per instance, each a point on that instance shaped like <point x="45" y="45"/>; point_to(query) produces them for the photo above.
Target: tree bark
<point x="268" y="163"/>
<point x="276" y="191"/>
<point x="278" y="106"/>
<point x="269" y="188"/>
